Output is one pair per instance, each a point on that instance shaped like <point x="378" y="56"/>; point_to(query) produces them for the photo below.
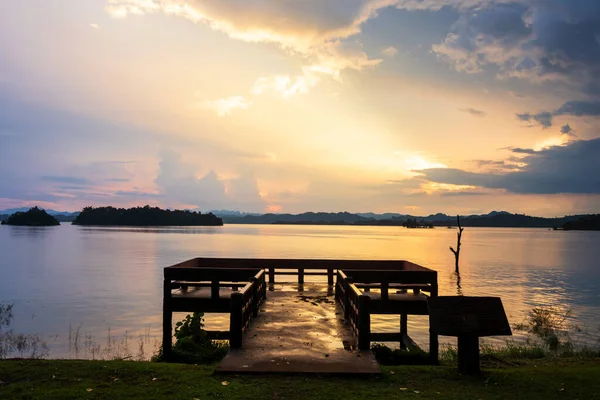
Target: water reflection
<point x="112" y="277"/>
<point x="456" y="276"/>
<point x="31" y="232"/>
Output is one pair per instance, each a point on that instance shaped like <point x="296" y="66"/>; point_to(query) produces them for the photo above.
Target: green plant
<point x="548" y="324"/>
<point x="387" y="356"/>
<point x="32" y="346"/>
<point x="192" y="343"/>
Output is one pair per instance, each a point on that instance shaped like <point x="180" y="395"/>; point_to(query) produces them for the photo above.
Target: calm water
<point x="66" y="277"/>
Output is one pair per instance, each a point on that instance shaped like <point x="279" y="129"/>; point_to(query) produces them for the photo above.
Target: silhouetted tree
<point x="144" y="216"/>
<point x="459" y="236"/>
<point x="34" y="217"/>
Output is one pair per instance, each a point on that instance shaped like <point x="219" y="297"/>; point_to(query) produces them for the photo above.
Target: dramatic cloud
<point x="580" y="108"/>
<point x="543" y="118"/>
<point x="561" y="169"/>
<point x="567" y="130"/>
<point x="314" y="29"/>
<point x="572" y="108"/>
<point x="179" y="185"/>
<point x="474" y="112"/>
<point x="532" y="39"/>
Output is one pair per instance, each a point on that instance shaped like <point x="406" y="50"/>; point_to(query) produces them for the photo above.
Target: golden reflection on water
<point x="112" y="277"/>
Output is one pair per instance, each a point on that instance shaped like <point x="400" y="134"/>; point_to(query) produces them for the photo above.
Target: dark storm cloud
<point x="567" y="130"/>
<point x="543" y="118"/>
<point x="572" y="108"/>
<point x="561" y="169"/>
<point x="580" y="108"/>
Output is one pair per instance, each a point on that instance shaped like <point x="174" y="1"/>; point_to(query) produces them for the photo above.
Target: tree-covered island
<point x="34" y="217"/>
<point x="144" y="216"/>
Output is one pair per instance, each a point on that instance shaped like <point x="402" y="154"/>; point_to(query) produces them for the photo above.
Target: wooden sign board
<point x="473" y="316"/>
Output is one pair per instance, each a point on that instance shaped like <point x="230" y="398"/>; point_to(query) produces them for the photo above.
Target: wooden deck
<point x="326" y="330"/>
<point x="300" y="332"/>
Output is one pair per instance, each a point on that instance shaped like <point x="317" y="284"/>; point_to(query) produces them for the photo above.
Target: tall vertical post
<point x="254" y="297"/>
<point x="271" y="275"/>
<point x="468" y="354"/>
<point x="364" y="322"/>
<point x="346" y="299"/>
<point x="330" y="276"/>
<point x="385" y="294"/>
<point x="434" y="345"/>
<point x="214" y="290"/>
<point x="403" y="330"/>
<point x="300" y="276"/>
<point x="236" y="320"/>
<point x="167" y="320"/>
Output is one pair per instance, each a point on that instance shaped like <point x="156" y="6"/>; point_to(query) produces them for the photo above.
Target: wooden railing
<point x="353" y="293"/>
<point x="244" y="306"/>
<point x="356" y="309"/>
<point x="248" y="287"/>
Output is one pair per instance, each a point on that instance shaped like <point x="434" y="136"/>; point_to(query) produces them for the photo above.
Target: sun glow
<point x="417" y="163"/>
<point x="551" y="142"/>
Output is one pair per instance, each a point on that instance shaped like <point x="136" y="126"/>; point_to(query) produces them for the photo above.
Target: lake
<point x="101" y="286"/>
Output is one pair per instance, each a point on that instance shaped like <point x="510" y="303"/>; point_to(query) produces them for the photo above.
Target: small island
<point x="34" y="217"/>
<point x="144" y="216"/>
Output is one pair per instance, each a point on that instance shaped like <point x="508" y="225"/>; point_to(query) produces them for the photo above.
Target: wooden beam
<point x="167" y="321"/>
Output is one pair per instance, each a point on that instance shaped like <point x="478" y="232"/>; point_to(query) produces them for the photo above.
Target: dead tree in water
<point x="457" y="251"/>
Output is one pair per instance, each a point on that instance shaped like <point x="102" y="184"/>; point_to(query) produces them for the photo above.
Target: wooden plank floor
<point x="299" y="332"/>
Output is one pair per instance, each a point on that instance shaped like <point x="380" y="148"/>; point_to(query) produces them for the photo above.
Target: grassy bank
<point x="49" y="379"/>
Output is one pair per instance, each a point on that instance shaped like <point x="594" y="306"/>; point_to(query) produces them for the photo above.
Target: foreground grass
<point x="62" y="379"/>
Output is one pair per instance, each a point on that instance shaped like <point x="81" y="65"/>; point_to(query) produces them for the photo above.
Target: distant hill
<point x="3" y="217"/>
<point x="231" y="213"/>
<point x="309" y="218"/>
<point x="24" y="209"/>
<point x="144" y="216"/>
<point x="32" y="217"/>
<point x="493" y="219"/>
<point x="585" y="223"/>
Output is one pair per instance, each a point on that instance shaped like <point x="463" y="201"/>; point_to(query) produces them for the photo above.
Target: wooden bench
<point x="468" y="318"/>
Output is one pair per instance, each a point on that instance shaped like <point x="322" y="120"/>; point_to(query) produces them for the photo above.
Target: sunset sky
<point x="409" y="106"/>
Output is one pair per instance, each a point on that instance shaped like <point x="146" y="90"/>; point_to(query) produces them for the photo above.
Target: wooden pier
<point x="279" y="334"/>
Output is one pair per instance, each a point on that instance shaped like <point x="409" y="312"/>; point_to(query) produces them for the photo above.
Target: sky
<point x="408" y="106"/>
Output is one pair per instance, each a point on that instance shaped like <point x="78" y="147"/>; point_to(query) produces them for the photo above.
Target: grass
<point x="61" y="379"/>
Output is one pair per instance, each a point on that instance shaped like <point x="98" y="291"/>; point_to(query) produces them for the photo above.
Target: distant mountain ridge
<point x="492" y="219"/>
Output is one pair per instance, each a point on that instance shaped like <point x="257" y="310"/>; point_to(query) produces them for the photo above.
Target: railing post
<point x="271" y="275"/>
<point x="385" y="291"/>
<point x="167" y="321"/>
<point x="236" y="320"/>
<point x="346" y="282"/>
<point x="337" y="288"/>
<point x="434" y="345"/>
<point x="300" y="276"/>
<point x="330" y="276"/>
<point x="364" y="322"/>
<point x="254" y="297"/>
<point x="214" y="290"/>
<point x="403" y="330"/>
